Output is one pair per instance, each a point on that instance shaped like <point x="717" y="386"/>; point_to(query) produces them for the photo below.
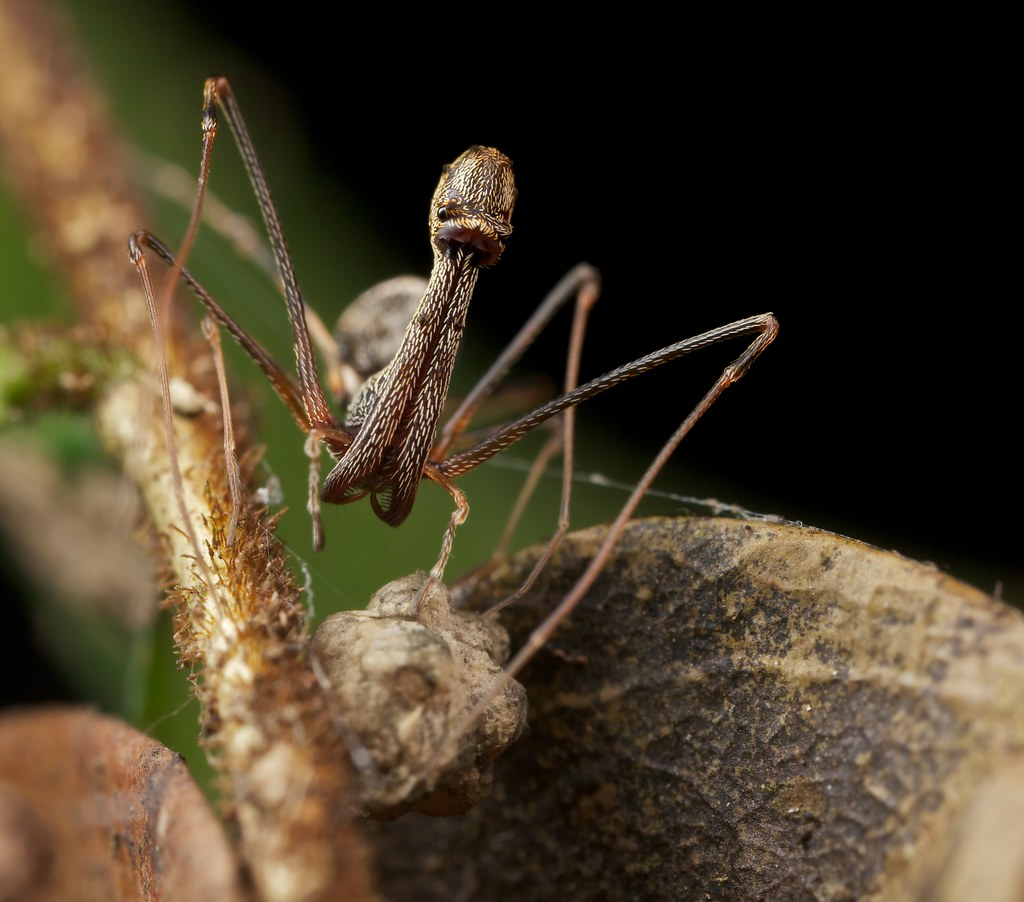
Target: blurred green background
<point x="707" y="183"/>
<point x="155" y="73"/>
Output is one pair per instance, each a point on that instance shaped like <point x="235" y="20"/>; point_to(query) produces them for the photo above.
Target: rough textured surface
<point x="92" y="809"/>
<point x="741" y="710"/>
<point x="402" y="680"/>
<point x="239" y="619"/>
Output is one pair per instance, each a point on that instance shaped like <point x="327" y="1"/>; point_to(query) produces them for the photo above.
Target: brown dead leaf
<point x="92" y="809"/>
<point x="744" y="710"/>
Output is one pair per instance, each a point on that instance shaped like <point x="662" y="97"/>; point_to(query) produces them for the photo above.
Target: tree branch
<point x="239" y="621"/>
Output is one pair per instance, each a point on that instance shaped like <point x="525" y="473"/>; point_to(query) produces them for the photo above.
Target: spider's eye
<point x="442" y="213"/>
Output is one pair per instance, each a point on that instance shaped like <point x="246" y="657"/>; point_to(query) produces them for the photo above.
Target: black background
<point x="839" y="177"/>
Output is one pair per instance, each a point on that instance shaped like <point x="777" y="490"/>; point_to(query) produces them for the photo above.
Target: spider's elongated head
<point x="472" y="205"/>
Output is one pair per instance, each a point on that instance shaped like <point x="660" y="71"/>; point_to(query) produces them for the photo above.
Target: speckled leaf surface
<point x="744" y="710"/>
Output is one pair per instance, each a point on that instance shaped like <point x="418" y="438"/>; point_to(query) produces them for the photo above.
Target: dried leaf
<point x="743" y="710"/>
<point x="92" y="809"/>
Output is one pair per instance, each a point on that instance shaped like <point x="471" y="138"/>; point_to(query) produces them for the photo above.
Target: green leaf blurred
<point x="153" y="65"/>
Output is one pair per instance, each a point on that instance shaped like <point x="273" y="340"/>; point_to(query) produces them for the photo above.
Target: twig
<point x="283" y="767"/>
